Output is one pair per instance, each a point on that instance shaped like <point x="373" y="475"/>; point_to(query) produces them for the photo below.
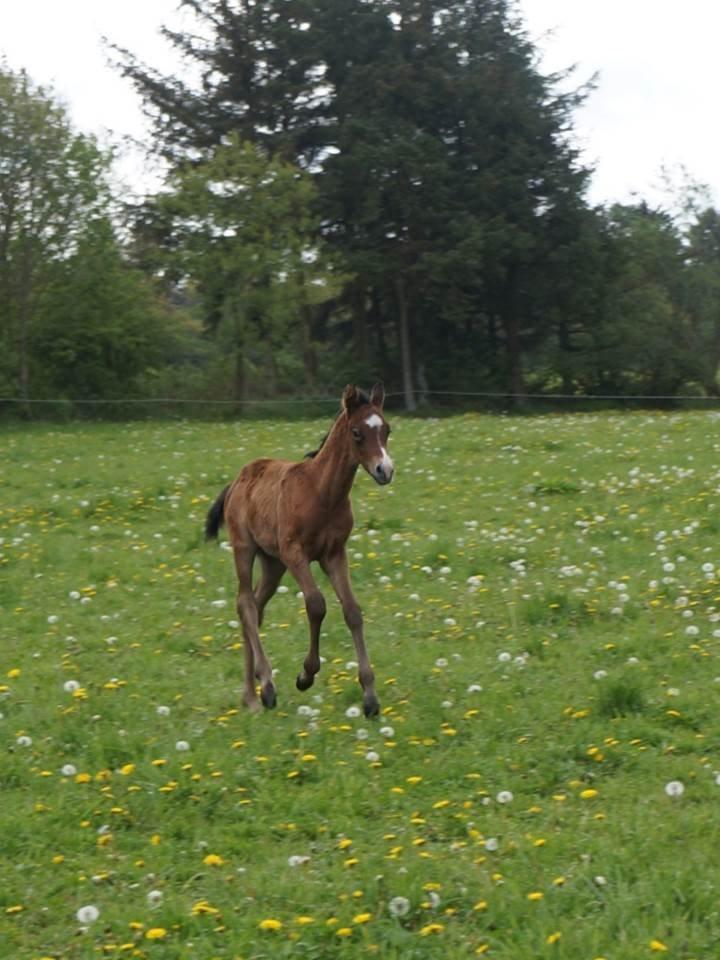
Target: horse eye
<point x="357" y="435"/>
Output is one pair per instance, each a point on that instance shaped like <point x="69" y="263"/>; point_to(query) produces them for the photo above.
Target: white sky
<point x="657" y="62"/>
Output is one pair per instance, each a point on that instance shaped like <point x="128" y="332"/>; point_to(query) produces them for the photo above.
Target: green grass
<point x="542" y="608"/>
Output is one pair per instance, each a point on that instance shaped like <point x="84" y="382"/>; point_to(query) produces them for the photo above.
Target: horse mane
<point x="364" y="398"/>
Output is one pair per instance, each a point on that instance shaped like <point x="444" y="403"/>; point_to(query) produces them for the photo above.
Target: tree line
<point x="380" y="189"/>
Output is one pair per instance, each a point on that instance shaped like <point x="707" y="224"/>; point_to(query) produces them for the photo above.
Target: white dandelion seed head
<point x="492" y="844"/>
<point x="182" y="745"/>
<point x="352" y="712"/>
<point x="304" y="710"/>
<point x="162" y="711"/>
<point x="361" y="733"/>
<point x="68" y="770"/>
<point x="441" y="662"/>
<point x="154" y="898"/>
<point x="599" y="880"/>
<point x="505" y="796"/>
<point x="387" y="732"/>
<point x="297" y="860"/>
<point x="70" y="686"/>
<point x="434" y="899"/>
<point x="600" y="674"/>
<point x="399" y="906"/>
<point x="504" y="657"/>
<point x="24" y="741"/>
<point x="88" y="914"/>
<point x="474" y="688"/>
<point x="674" y="788"/>
<point x="372" y="757"/>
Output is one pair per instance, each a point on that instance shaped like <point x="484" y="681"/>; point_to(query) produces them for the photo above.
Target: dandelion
<point x="372" y="757"/>
<point x="535" y="895"/>
<point x="504" y="657"/>
<point x="432" y="928"/>
<point x="399" y="907"/>
<point x="270" y="924"/>
<point x="213" y="860"/>
<point x="162" y="711"/>
<point x="674" y="788"/>
<point x="387" y="732"/>
<point x="88" y="914"/>
<point x="505" y="796"/>
<point x="352" y="712"/>
<point x="297" y="860"/>
<point x="156" y="933"/>
<point x="154" y="898"/>
<point x="362" y="918"/>
<point x="68" y="770"/>
<point x="553" y="937"/>
<point x="658" y="946"/>
<point x="70" y="686"/>
<point x="24" y="741"/>
<point x="182" y="746"/>
<point x="344" y="932"/>
<point x="492" y="844"/>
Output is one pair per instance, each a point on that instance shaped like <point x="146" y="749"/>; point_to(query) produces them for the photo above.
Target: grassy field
<point x="542" y="607"/>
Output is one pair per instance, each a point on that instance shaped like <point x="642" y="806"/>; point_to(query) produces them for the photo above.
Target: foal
<point x="291" y="514"/>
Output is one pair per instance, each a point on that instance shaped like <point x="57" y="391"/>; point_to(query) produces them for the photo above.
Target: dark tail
<point x="216" y="516"/>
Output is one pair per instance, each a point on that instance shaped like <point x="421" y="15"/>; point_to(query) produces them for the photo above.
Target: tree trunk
<point x="309" y="355"/>
<point x="358" y="309"/>
<point x="404" y="337"/>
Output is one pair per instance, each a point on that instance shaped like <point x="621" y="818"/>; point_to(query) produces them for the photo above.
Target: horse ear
<point x="350" y="398"/>
<point x="377" y="395"/>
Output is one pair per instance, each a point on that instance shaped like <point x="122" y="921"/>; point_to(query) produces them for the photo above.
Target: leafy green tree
<point x="51" y="186"/>
<point x="99" y="322"/>
<point x="642" y="339"/>
<point x="243" y="227"/>
<point x="703" y="294"/>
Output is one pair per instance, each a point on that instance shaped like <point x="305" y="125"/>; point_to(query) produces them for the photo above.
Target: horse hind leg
<point x="271" y="574"/>
<point x="256" y="661"/>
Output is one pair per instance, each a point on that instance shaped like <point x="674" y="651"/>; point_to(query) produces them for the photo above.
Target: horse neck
<point x="333" y="466"/>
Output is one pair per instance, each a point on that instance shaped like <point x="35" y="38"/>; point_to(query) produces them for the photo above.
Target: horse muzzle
<point x="382" y="472"/>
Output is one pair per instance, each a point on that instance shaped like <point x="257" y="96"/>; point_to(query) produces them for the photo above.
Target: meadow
<point x="542" y="609"/>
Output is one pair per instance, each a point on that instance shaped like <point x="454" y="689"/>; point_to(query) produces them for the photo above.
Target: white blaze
<point x="374" y="420"/>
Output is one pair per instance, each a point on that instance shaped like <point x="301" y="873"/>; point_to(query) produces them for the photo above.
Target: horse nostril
<point x="379" y="470"/>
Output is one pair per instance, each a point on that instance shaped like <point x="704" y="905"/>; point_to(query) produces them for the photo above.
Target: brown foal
<point x="290" y="514"/>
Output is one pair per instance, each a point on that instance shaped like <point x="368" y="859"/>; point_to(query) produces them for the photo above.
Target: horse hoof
<point x="251" y="704"/>
<point x="371" y="707"/>
<point x="303" y="682"/>
<point x="267" y="695"/>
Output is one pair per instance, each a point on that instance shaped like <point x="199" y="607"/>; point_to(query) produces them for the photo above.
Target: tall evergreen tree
<point x="441" y="154"/>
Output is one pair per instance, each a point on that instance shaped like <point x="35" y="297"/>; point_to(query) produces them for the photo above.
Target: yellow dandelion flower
<point x="16" y="908"/>
<point x="343" y="932"/>
<point x="432" y="928"/>
<point x="362" y="918"/>
<point x="658" y="946"/>
<point x="350" y="862"/>
<point x="344" y="843"/>
<point x="588" y="794"/>
<point x="480" y="905"/>
<point x="156" y="933"/>
<point x="553" y="937"/>
<point x="213" y="860"/>
<point x="270" y="924"/>
<point x="127" y="769"/>
<point x="535" y="895"/>
<point x="304" y="921"/>
<point x="14" y="673"/>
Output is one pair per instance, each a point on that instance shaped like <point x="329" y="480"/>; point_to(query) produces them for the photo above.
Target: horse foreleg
<point x="315" y="608"/>
<point x="256" y="661"/>
<point x="336" y="567"/>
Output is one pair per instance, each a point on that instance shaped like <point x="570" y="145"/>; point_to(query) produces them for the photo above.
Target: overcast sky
<point x="656" y="60"/>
